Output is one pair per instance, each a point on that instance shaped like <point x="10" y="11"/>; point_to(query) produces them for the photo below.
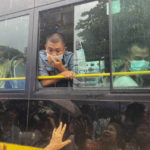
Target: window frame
<point x="30" y="91"/>
<point x="53" y="93"/>
<point x="119" y="90"/>
<point x="100" y="94"/>
<point x="21" y="93"/>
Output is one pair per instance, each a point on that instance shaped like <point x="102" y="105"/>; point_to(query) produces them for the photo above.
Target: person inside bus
<point x="56" y="60"/>
<point x="4" y="65"/>
<point x="137" y="60"/>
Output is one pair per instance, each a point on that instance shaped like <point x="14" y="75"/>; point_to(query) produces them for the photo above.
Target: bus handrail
<point x="84" y="75"/>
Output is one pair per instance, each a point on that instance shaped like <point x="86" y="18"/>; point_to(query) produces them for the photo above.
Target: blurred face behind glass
<point x="110" y="134"/>
<point x="138" y="53"/>
<point x="143" y="134"/>
<point x="139" y="58"/>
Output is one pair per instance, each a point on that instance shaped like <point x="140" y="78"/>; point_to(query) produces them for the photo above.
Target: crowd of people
<point x="102" y="126"/>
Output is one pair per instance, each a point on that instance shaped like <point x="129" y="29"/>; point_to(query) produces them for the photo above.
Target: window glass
<point x="92" y="125"/>
<point x="13" y="47"/>
<point x="74" y="40"/>
<point x="130" y="43"/>
<point x="13" y="120"/>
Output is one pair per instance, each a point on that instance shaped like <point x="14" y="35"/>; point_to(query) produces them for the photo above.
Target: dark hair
<point x="55" y="37"/>
<point x="135" y="112"/>
<point x="142" y="44"/>
<point x="120" y="136"/>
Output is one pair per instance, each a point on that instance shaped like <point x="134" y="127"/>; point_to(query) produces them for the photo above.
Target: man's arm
<point x="43" y="72"/>
<point x="48" y="82"/>
<point x="58" y="65"/>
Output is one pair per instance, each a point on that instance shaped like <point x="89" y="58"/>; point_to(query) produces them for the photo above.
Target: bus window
<point x="130" y="44"/>
<point x="13" y="120"/>
<point x="73" y="43"/>
<point x="13" y="45"/>
<point x="92" y="125"/>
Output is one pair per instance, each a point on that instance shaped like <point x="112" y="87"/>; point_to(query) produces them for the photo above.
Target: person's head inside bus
<point x="55" y="60"/>
<point x="55" y="46"/>
<point x="136" y="60"/>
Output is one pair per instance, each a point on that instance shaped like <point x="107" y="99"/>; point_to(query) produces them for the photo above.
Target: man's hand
<point x="4" y="147"/>
<point x="56" y="63"/>
<point x="68" y="74"/>
<point x="56" y="142"/>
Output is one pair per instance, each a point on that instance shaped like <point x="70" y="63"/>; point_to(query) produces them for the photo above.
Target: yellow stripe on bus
<point x="18" y="147"/>
<point x="84" y="75"/>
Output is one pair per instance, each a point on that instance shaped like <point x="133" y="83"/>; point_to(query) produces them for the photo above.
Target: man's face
<point x="138" y="53"/>
<point x="55" y="49"/>
<point x="139" y="59"/>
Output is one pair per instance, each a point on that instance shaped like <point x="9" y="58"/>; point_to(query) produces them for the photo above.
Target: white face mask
<point x="54" y="57"/>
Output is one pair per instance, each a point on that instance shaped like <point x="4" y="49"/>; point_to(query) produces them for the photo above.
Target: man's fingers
<point x="70" y="75"/>
<point x="58" y="59"/>
<point x="60" y="127"/>
<point x="63" y="129"/>
<point x="65" y="143"/>
<point x="53" y="134"/>
<point x="51" y="60"/>
<point x="4" y="147"/>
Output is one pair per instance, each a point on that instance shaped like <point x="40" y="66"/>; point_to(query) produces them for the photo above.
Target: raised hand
<point x="4" y="147"/>
<point x="56" y="63"/>
<point x="56" y="142"/>
<point x="68" y="74"/>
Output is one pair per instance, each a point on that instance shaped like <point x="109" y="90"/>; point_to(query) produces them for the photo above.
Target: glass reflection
<point x="13" y="120"/>
<point x="13" y="51"/>
<point x="91" y="44"/>
<point x="130" y="43"/>
<point x="85" y="46"/>
<point x="92" y="126"/>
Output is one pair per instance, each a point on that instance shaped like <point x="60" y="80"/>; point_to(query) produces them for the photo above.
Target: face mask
<point x="139" y="65"/>
<point x="54" y="57"/>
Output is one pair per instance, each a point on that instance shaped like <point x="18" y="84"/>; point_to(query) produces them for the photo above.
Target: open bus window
<point x="73" y="43"/>
<point x="13" y="44"/>
<point x="130" y="44"/>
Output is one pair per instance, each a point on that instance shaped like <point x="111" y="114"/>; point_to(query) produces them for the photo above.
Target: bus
<point x="83" y="62"/>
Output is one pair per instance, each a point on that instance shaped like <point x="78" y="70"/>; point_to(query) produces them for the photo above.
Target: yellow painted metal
<point x="84" y="75"/>
<point x="16" y="78"/>
<point x="19" y="147"/>
<point x="97" y="75"/>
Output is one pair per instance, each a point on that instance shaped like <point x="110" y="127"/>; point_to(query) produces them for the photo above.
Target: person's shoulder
<point x="68" y="53"/>
<point x="43" y="54"/>
<point x="124" y="81"/>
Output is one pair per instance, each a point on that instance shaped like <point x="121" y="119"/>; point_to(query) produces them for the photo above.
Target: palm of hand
<point x="56" y="142"/>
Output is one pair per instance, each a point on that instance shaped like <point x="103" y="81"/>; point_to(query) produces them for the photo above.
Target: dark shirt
<point x="45" y="69"/>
